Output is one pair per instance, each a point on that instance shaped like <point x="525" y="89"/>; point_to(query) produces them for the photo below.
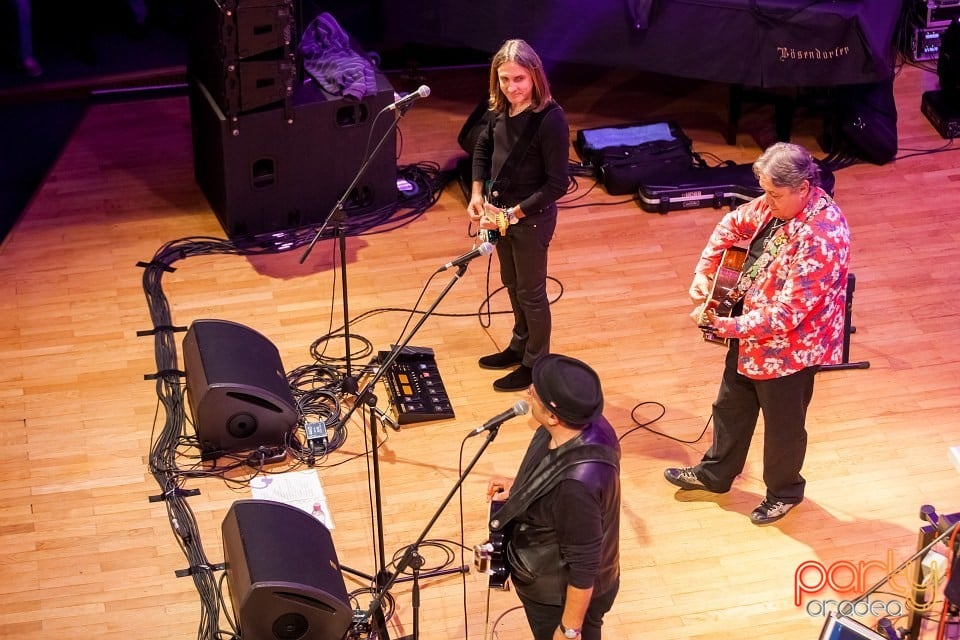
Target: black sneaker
<point x="517" y="380"/>
<point x="503" y="360"/>
<point x="684" y="477"/>
<point x="770" y="511"/>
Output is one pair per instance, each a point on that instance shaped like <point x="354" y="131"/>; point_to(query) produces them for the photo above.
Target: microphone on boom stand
<point x="484" y="249"/>
<point x="519" y="409"/>
<point x="402" y="103"/>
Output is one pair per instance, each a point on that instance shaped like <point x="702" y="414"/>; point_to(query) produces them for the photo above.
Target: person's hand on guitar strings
<point x="499" y="487"/>
<point x="704" y="317"/>
<point x="700" y="288"/>
<point x="476" y="206"/>
<point x="493" y="218"/>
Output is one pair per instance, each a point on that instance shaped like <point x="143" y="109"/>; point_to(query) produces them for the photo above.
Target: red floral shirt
<point x="793" y="313"/>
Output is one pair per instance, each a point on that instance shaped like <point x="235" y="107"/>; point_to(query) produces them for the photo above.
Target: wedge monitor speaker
<point x="237" y="389"/>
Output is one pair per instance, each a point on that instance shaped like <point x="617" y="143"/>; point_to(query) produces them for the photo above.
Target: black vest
<point x="533" y="553"/>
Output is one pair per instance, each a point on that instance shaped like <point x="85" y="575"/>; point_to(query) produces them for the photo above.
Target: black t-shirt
<point x="569" y="509"/>
<point x="756" y="249"/>
<point x="539" y="178"/>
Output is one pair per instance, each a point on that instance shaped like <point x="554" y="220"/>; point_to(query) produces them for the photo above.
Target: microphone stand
<point x="412" y="558"/>
<point x="366" y="396"/>
<point x="337" y="215"/>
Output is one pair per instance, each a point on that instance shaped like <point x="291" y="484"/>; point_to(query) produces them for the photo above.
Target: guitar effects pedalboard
<point x="416" y="389"/>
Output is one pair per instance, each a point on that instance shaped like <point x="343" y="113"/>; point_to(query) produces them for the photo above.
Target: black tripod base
<point x="437" y="572"/>
<point x="359" y="574"/>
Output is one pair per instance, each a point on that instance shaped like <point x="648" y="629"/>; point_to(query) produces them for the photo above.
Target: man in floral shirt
<point x="787" y="320"/>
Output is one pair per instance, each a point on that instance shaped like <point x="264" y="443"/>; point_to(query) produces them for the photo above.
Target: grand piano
<point x="757" y="43"/>
<point x="755" y="46"/>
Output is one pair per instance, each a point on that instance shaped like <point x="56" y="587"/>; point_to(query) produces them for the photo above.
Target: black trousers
<point x="545" y="618"/>
<point x="523" y="270"/>
<point x="783" y="402"/>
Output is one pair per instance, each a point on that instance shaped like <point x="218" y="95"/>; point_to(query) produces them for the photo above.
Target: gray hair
<point x="787" y="165"/>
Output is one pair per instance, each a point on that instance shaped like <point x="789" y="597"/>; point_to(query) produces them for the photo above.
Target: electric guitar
<point x="500" y="218"/>
<point x="492" y="235"/>
<point x="491" y="557"/>
<point x="723" y="292"/>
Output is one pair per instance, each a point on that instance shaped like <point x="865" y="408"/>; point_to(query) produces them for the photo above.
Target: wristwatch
<point x="569" y="633"/>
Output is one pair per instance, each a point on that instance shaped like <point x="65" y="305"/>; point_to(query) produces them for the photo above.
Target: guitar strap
<point x="758" y="258"/>
<point x="542" y="482"/>
<point x="766" y="246"/>
<point x="522" y="145"/>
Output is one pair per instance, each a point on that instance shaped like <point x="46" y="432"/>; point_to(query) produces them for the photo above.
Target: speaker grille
<point x="283" y="573"/>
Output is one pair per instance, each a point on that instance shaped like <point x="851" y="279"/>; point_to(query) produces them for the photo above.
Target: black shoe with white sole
<point x="770" y="511"/>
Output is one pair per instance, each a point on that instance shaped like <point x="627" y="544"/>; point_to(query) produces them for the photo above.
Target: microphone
<point x="887" y="629"/>
<point x="518" y="409"/>
<point x="484" y="249"/>
<point x="422" y="92"/>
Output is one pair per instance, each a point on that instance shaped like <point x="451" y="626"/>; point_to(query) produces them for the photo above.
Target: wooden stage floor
<point x="84" y="553"/>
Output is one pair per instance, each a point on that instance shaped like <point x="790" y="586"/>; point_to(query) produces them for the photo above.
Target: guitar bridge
<point x="481" y="558"/>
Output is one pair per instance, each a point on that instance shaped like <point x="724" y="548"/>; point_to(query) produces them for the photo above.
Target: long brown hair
<point x="520" y="52"/>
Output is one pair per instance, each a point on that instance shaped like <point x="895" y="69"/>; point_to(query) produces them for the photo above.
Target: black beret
<point x="569" y="389"/>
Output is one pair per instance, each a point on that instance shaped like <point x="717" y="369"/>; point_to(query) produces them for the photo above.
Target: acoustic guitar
<point x="723" y="296"/>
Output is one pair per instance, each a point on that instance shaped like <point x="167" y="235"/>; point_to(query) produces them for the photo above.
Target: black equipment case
<point x="625" y="156"/>
<point x="727" y="185"/>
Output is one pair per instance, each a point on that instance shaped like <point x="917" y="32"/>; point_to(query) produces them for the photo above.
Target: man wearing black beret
<point x="561" y="515"/>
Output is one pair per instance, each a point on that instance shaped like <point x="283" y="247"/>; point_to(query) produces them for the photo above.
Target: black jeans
<point x="523" y="270"/>
<point x="739" y="402"/>
<point x="545" y="618"/>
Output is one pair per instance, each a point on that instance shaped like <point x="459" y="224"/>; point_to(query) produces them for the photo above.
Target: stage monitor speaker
<point x="236" y="387"/>
<point x="262" y="172"/>
<point x="284" y="577"/>
<point x="948" y="59"/>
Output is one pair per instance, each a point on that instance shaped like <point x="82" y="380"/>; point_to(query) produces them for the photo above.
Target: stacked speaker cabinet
<point x="284" y="577"/>
<point x="273" y="152"/>
<point x="243" y="52"/>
